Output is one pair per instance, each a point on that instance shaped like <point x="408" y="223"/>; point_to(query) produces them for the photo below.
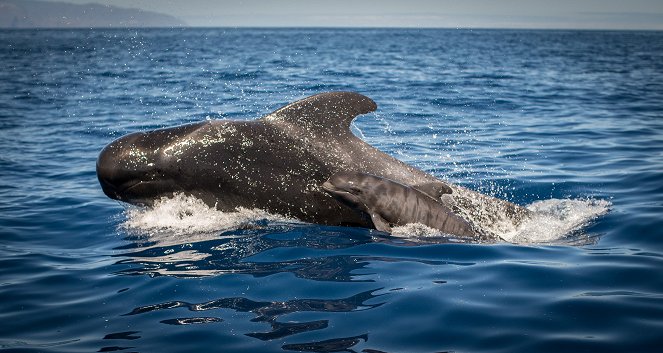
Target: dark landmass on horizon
<point x="59" y="14"/>
<point x="42" y="14"/>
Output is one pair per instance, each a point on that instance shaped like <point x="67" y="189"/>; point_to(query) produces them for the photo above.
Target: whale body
<point x="389" y="203"/>
<point x="277" y="163"/>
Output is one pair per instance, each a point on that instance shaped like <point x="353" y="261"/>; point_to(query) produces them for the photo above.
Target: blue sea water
<point x="569" y="123"/>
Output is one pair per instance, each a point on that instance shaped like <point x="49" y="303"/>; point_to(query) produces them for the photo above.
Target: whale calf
<point x="277" y="163"/>
<point x="389" y="203"/>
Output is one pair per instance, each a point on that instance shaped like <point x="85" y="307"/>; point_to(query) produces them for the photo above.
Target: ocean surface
<point x="566" y="123"/>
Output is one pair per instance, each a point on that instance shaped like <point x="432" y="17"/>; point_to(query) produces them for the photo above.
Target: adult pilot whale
<point x="276" y="163"/>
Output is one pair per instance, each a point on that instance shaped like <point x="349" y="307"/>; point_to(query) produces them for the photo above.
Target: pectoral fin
<point x="380" y="223"/>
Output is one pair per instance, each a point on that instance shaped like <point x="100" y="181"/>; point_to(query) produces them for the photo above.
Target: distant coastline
<point x="39" y="14"/>
<point x="42" y="14"/>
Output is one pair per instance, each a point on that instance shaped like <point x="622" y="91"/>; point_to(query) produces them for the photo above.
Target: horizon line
<point x="345" y="27"/>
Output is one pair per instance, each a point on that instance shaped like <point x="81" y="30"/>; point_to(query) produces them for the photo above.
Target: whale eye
<point x="355" y="190"/>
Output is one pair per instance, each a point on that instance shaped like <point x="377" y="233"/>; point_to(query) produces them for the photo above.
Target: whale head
<point x="352" y="189"/>
<point x="141" y="167"/>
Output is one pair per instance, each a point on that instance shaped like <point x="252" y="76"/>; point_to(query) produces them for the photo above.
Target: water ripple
<point x="566" y="122"/>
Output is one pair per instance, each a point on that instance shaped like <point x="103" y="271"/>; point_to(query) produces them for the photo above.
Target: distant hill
<point x="42" y="14"/>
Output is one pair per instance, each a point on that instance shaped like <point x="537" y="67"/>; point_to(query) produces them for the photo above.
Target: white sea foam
<point x="555" y="219"/>
<point x="415" y="230"/>
<point x="551" y="220"/>
<point x="187" y="214"/>
<point x="418" y="232"/>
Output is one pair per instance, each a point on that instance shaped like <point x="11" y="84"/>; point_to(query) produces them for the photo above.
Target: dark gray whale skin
<point x="276" y="163"/>
<point x="390" y="203"/>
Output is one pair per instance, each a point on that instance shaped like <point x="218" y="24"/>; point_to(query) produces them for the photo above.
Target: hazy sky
<point x="597" y="14"/>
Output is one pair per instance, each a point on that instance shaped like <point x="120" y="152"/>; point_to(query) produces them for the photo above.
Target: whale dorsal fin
<point x="331" y="111"/>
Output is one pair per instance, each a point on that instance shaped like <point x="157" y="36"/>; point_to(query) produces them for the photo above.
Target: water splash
<point x="418" y="232"/>
<point x="554" y="220"/>
<point x="551" y="221"/>
<point x="357" y="131"/>
<point x="183" y="214"/>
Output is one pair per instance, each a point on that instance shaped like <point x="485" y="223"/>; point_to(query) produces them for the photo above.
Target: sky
<point x="576" y="14"/>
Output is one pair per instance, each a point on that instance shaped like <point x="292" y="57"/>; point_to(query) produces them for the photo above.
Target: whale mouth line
<point x="329" y="187"/>
<point x="133" y="184"/>
<point x="121" y="188"/>
<point x="341" y="195"/>
<point x="129" y="191"/>
<point x="332" y="189"/>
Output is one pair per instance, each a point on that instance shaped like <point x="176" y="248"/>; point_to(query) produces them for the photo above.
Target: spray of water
<point x="551" y="220"/>
<point x="183" y="214"/>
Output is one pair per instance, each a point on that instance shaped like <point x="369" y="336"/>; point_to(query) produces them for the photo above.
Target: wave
<point x="183" y="214"/>
<point x="557" y="220"/>
<point x="553" y="221"/>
